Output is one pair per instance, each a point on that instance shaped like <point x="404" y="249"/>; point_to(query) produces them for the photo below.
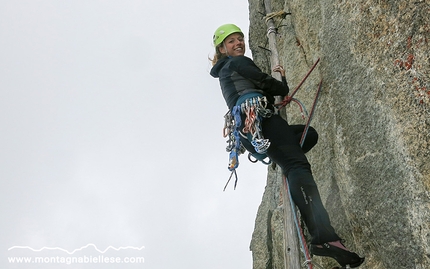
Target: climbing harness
<point x="254" y="109"/>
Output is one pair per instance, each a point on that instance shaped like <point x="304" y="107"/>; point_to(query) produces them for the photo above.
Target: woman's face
<point x="234" y="45"/>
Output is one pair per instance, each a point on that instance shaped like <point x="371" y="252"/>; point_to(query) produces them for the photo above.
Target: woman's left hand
<point x="279" y="68"/>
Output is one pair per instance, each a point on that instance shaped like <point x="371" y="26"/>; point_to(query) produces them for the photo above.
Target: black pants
<point x="286" y="152"/>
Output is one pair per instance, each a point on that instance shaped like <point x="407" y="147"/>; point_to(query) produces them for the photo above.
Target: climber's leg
<point x="305" y="195"/>
<point x="311" y="138"/>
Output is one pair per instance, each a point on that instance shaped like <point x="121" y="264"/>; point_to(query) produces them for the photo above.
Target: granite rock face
<point x="372" y="162"/>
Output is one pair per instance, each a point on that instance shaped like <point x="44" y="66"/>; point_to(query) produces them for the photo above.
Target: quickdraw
<point x="232" y="122"/>
<point x="255" y="108"/>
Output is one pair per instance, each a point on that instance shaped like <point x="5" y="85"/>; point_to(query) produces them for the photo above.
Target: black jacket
<point x="239" y="75"/>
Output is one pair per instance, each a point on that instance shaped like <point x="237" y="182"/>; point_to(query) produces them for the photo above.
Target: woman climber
<point x="249" y="92"/>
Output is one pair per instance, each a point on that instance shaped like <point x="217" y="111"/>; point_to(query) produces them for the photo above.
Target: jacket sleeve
<point x="247" y="68"/>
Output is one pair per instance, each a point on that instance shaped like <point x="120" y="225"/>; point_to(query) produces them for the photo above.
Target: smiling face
<point x="233" y="45"/>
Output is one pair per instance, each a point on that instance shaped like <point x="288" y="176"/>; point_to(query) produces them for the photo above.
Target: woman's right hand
<point x="279" y="68"/>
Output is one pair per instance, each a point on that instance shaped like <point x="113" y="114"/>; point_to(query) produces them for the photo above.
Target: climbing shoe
<point x="340" y="253"/>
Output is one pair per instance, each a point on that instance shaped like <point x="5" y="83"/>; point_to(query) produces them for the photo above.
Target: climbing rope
<point x="287" y="99"/>
<point x="311" y="114"/>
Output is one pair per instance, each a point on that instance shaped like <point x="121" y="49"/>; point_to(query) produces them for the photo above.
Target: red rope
<point x="288" y="98"/>
<point x="311" y="114"/>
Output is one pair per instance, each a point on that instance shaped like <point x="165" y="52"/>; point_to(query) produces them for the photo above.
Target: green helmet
<point x="223" y="31"/>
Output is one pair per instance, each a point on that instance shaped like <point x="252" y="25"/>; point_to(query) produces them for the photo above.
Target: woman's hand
<point x="279" y="68"/>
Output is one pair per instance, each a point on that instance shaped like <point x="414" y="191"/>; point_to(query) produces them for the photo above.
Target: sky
<point x="111" y="137"/>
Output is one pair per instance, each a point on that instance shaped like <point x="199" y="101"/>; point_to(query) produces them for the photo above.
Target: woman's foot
<point x="339" y="252"/>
